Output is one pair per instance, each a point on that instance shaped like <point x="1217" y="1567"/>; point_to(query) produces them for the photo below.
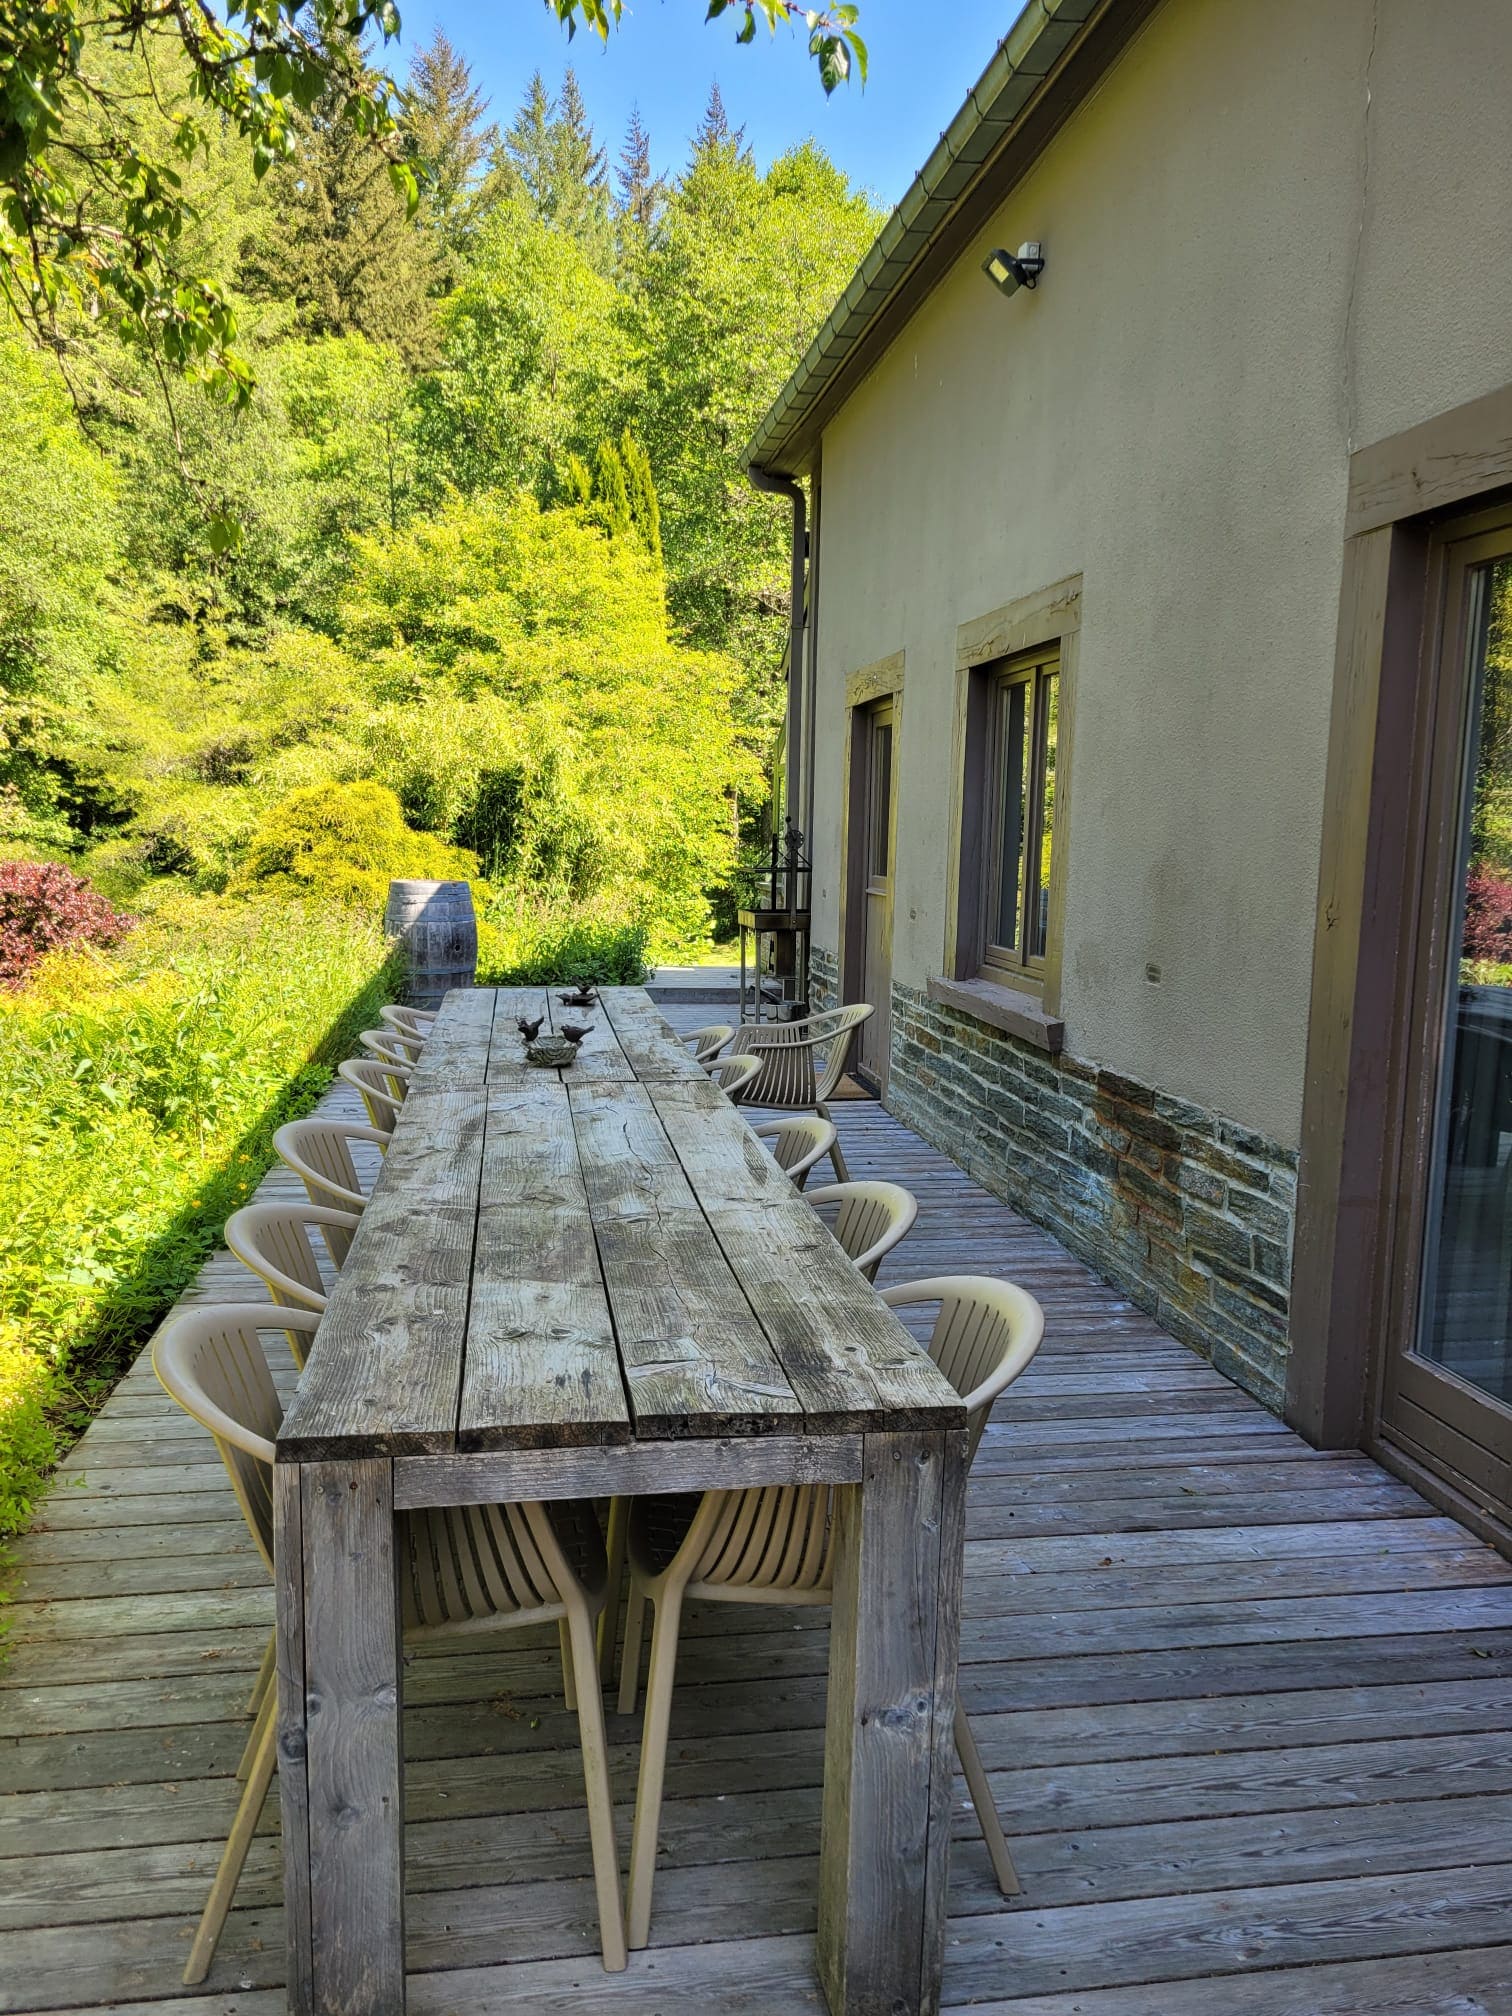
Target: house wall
<point x="1274" y="233"/>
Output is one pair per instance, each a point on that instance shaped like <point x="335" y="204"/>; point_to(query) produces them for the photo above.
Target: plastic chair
<point x="803" y="1062"/>
<point x="734" y="1074"/>
<point x="462" y="1569"/>
<point x="413" y="1022"/>
<point x="774" y="1544"/>
<point x="389" y="1046"/>
<point x="383" y="1088"/>
<point x="797" y="1143"/>
<point x="274" y="1241"/>
<point x="706" y="1044"/>
<point x="868" y="1220"/>
<point x="319" y="1151"/>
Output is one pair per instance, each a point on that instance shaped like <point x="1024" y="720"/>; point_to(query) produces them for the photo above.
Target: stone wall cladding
<point x="1188" y="1214"/>
<point x="824" y="979"/>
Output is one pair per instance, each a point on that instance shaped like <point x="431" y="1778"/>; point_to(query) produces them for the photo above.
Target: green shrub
<point x="525" y="943"/>
<point x="141" y="1088"/>
<point x="343" y="843"/>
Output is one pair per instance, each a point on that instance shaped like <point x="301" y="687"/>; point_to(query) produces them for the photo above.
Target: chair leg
<point x="653" y="1766"/>
<point x="986" y="1806"/>
<point x="635" y="1624"/>
<point x="608" y="1623"/>
<point x="842" y="1174"/>
<point x="238" y="1841"/>
<point x="268" y="1706"/>
<point x="606" y="1876"/>
<point x="569" y="1677"/>
<point x="264" y="1675"/>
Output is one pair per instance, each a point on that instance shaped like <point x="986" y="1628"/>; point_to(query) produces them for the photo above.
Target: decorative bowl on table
<point x="551" y="1051"/>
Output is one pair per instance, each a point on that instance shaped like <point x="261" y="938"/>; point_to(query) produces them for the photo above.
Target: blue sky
<point x="925" y="56"/>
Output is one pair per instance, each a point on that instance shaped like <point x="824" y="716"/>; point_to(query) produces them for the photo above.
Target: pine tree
<point x="551" y="158"/>
<point x="645" y="511"/>
<point x="610" y="490"/>
<point x="641" y="198"/>
<point x="522" y="160"/>
<point x="448" y="139"/>
<point x="337" y="242"/>
<point x="714" y="127"/>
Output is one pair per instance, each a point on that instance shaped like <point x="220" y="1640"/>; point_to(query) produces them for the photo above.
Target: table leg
<point x="889" y="1746"/>
<point x="340" y="1755"/>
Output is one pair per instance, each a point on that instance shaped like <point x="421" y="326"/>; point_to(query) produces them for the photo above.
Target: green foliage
<point x="343" y="843"/>
<point x="142" y="1088"/>
<point x="524" y="942"/>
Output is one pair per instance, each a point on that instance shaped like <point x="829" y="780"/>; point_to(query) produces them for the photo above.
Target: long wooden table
<point x="572" y="1285"/>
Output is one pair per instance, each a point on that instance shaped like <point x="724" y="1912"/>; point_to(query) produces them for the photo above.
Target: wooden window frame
<point x="1352" y="1266"/>
<point x="1013" y="965"/>
<point x="882" y="680"/>
<point x="1023" y="996"/>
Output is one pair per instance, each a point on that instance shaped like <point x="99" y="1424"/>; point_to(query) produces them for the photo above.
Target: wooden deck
<point x="1247" y="1710"/>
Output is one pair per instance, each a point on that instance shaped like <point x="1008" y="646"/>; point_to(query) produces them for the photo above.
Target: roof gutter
<point x="797" y="756"/>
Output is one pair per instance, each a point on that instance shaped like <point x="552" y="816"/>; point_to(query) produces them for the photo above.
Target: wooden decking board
<point x="1245" y="1708"/>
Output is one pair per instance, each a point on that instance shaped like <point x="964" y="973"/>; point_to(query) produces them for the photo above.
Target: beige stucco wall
<point x="1255" y="264"/>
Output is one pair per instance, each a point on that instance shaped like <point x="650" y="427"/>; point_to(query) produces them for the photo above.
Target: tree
<point x="714" y="127"/>
<point x="641" y="193"/>
<point x="451" y="147"/>
<point x="551" y="159"/>
<point x="339" y="243"/>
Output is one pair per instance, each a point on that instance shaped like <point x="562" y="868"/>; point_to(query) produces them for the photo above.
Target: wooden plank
<point x="385" y="1373"/>
<point x="650" y="1046"/>
<point x="889" y="1745"/>
<point x="695" y="1359"/>
<point x="709" y="1464"/>
<point x="455" y="1054"/>
<point x="542" y="1369"/>
<point x="507" y="1067"/>
<point x="600" y="1059"/>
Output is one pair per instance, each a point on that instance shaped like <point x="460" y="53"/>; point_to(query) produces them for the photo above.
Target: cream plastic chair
<point x="383" y="1088"/>
<point x="774" y="1545"/>
<point x="706" y="1044"/>
<point x="319" y="1151"/>
<point x="274" y="1241"/>
<point x="868" y="1219"/>
<point x="390" y="1046"/>
<point x="462" y="1569"/>
<point x="803" y="1062"/>
<point x="413" y="1022"/>
<point x="734" y="1074"/>
<point x="797" y="1143"/>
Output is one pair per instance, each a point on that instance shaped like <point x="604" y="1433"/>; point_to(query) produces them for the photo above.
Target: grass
<point x="141" y="1089"/>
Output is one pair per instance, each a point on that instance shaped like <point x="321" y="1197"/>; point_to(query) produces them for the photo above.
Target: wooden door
<point x="875" y="727"/>
<point x="1444" y="1385"/>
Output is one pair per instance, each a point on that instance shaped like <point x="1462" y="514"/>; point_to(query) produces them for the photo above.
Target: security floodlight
<point x="1009" y="271"/>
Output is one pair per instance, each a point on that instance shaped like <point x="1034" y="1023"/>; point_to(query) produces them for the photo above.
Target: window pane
<point x="1015" y="771"/>
<point x="1047" y="736"/>
<point x="1467" y="1287"/>
<point x="881" y="795"/>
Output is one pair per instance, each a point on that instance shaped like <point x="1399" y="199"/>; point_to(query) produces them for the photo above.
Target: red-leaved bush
<point x="1488" y="917"/>
<point x="43" y="906"/>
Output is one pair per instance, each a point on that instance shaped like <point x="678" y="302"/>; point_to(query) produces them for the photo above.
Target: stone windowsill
<point x="1021" y="1015"/>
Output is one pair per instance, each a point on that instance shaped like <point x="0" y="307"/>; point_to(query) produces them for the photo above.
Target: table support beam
<point x="889" y="1746"/>
<point x="340" y="1749"/>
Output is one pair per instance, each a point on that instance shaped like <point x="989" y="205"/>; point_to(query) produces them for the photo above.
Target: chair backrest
<point x="984" y="1335"/>
<point x="797" y="1142"/>
<point x="274" y="1241"/>
<point x="211" y="1361"/>
<point x="773" y="1538"/>
<point x="868" y="1219"/>
<point x="382" y="1086"/>
<point x="802" y="1062"/>
<point x="706" y="1044"/>
<point x="391" y="1046"/>
<point x="319" y="1151"/>
<point x="734" y="1074"/>
<point x="414" y="1022"/>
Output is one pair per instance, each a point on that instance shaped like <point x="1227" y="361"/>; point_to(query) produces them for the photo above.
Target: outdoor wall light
<point x="1009" y="271"/>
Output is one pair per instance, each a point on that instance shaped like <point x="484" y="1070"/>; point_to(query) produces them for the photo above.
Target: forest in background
<point x="472" y="584"/>
<point x="482" y="536"/>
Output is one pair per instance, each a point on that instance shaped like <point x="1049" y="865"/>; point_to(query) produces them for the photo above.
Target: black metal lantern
<point x="776" y="893"/>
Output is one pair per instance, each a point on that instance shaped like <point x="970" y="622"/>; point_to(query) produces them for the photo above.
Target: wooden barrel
<point x="435" y="921"/>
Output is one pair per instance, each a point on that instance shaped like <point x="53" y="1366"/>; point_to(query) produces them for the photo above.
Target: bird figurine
<point x="583" y="995"/>
<point x="529" y="1026"/>
<point x="575" y="1031"/>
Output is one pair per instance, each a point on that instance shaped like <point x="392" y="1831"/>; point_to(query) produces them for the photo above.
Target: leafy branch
<point x="832" y="38"/>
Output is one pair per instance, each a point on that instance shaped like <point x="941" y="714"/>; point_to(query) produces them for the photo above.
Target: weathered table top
<point x="597" y="1256"/>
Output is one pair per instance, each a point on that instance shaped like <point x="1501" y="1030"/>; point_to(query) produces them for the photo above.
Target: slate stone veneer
<point x="1189" y="1214"/>
<point x="823" y="979"/>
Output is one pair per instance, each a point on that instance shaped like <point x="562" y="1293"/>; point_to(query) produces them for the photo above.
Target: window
<point x="1018" y="814"/>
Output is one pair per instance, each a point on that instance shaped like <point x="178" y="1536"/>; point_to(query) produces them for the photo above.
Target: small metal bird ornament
<point x="575" y="1031"/>
<point x="529" y="1026"/>
<point x="583" y="995"/>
